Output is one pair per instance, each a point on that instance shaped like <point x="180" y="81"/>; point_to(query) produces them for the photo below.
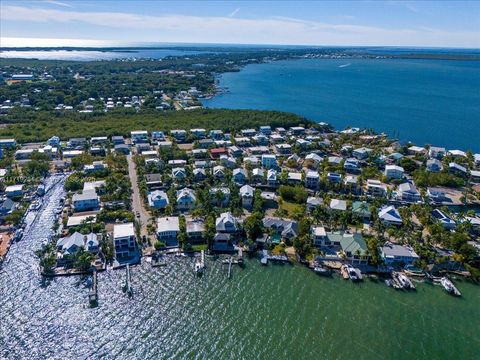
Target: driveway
<point x="137" y="201"/>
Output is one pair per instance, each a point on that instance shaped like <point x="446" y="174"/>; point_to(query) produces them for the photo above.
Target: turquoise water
<point x="424" y="101"/>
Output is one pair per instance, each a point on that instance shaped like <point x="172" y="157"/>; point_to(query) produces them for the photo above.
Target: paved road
<point x="137" y="201"/>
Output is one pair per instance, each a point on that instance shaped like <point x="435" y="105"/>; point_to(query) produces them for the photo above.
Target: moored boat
<point x="344" y="272"/>
<point x="320" y="270"/>
<point x="449" y="287"/>
<point x="403" y="281"/>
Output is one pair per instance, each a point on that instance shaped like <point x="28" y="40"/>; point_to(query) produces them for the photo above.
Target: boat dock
<point x="93" y="294"/>
<point x="128" y="282"/>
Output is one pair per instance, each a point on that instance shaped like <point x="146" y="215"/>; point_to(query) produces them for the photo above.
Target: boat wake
<point x="344" y="65"/>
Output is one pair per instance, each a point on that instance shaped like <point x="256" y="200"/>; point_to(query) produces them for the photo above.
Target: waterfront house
<point x="398" y="254"/>
<point x="434" y="165"/>
<point x="443" y="219"/>
<point x="284" y="228"/>
<point x="312" y="180"/>
<point x="457" y="153"/>
<point x="408" y="192"/>
<point x="222" y="242"/>
<point x="475" y="176"/>
<point x="124" y="241"/>
<point x="389" y="215"/>
<point x="246" y="194"/>
<point x="457" y="169"/>
<point x="86" y="201"/>
<point x="416" y="150"/>
<point x="167" y="229"/>
<point x="394" y="172"/>
<point x="319" y="236"/>
<point x="435" y="152"/>
<point x="476" y="158"/>
<point x="69" y="245"/>
<point x="186" y="199"/>
<point x="227" y="223"/>
<point x="195" y="229"/>
<point x="158" y="199"/>
<point x="14" y="191"/>
<point x="353" y="248"/>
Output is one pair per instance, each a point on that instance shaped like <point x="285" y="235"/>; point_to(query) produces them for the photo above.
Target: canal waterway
<point x="272" y="312"/>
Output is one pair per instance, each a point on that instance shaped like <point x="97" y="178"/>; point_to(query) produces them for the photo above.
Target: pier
<point x="128" y="282"/>
<point x="93" y="294"/>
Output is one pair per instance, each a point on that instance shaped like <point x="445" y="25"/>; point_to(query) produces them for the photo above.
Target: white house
<point x="167" y="230"/>
<point x="434" y="165"/>
<point x="319" y="236"/>
<point x="312" y="179"/>
<point x="139" y="136"/>
<point x="389" y="215"/>
<point x="336" y="204"/>
<point x="14" y="190"/>
<point x="124" y="240"/>
<point x="393" y="253"/>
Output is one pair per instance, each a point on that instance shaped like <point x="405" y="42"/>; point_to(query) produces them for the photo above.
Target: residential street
<point x="137" y="202"/>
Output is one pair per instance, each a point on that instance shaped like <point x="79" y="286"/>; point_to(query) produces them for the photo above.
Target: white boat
<point x="403" y="280"/>
<point x="35" y="205"/>
<point x="199" y="268"/>
<point x="449" y="287"/>
<point x="264" y="261"/>
<point x="320" y="270"/>
<point x="352" y="273"/>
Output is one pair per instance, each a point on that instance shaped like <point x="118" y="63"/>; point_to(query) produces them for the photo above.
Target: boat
<point x="264" y="261"/>
<point x="413" y="271"/>
<point x="40" y="190"/>
<point x="320" y="270"/>
<point x="352" y="273"/>
<point x="449" y="287"/>
<point x="344" y="272"/>
<point x="199" y="268"/>
<point x="403" y="281"/>
<point x="18" y="235"/>
<point x="59" y="210"/>
<point x="35" y="205"/>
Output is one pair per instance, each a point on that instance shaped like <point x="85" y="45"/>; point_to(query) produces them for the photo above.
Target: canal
<point x="272" y="312"/>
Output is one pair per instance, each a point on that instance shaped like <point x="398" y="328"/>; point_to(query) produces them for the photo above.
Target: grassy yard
<point x="290" y="207"/>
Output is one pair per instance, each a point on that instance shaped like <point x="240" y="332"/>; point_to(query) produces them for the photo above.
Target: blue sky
<point x="359" y="23"/>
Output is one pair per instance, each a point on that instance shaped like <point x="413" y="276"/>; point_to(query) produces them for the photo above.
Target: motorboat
<point x="449" y="287"/>
<point x="320" y="270"/>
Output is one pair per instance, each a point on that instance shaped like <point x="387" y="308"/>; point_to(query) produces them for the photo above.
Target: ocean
<point x="424" y="101"/>
<point x="261" y="312"/>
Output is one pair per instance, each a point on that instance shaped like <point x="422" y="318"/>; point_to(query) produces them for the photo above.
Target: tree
<point x="303" y="245"/>
<point x="253" y="225"/>
<point x="83" y="260"/>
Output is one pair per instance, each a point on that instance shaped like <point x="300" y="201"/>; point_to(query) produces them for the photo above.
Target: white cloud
<point x="270" y="30"/>
<point x="59" y="3"/>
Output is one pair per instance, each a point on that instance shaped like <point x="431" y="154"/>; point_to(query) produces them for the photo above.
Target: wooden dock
<point x="93" y="294"/>
<point x="128" y="282"/>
